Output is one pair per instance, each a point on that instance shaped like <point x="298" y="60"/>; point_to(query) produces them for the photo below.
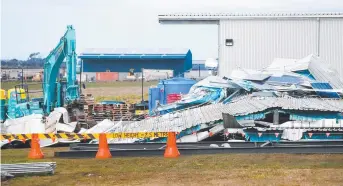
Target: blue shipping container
<point x="154" y="97"/>
<point x="174" y="86"/>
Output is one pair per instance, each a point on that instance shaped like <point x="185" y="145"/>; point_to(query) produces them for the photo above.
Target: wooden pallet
<point x="99" y="112"/>
<point x="122" y="119"/>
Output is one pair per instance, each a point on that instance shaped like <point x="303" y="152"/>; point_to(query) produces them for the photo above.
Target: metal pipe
<point x="219" y="39"/>
<point x="142" y="88"/>
<point x="80" y="76"/>
<point x="199" y="70"/>
<point x="29" y="168"/>
<point x="22" y="77"/>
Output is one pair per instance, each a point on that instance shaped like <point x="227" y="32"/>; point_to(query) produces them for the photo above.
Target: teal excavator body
<point x="56" y="92"/>
<point x="65" y="50"/>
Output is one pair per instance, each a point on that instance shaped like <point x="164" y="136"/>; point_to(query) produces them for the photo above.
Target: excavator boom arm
<point x="66" y="49"/>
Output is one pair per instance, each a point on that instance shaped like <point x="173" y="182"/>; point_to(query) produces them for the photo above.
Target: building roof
<point x="125" y="53"/>
<point x="121" y="60"/>
<point x="214" y="17"/>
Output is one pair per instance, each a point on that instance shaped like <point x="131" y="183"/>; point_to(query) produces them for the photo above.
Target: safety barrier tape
<point x="85" y="136"/>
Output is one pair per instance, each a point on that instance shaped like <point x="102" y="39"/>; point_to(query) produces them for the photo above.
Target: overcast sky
<point x="29" y="26"/>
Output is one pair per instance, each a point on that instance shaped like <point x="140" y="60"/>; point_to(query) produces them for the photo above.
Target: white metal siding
<point x="331" y="43"/>
<point x="258" y="41"/>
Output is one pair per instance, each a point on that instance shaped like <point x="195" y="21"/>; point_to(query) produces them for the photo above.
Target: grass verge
<point x="38" y="85"/>
<point x="226" y="169"/>
<point x="129" y="92"/>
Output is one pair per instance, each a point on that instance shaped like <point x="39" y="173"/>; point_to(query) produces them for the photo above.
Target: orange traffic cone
<point x="35" y="151"/>
<point x="171" y="149"/>
<point x="103" y="151"/>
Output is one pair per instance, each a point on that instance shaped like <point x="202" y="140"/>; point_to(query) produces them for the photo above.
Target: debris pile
<point x="287" y="95"/>
<point x="291" y="99"/>
<point x="56" y="122"/>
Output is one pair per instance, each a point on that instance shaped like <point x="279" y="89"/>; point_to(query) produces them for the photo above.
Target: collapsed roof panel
<point x="324" y="86"/>
<point x="248" y="74"/>
<point x="287" y="65"/>
<point x="295" y="87"/>
<point x="285" y="80"/>
<point x="181" y="120"/>
<point x="323" y="73"/>
<point x="317" y="68"/>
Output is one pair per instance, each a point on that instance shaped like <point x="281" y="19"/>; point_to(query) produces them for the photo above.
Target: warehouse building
<point x="127" y="64"/>
<point x="254" y="40"/>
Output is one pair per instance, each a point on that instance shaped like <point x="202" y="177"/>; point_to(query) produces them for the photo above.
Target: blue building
<point x="198" y="71"/>
<point x="198" y="65"/>
<point x="122" y="60"/>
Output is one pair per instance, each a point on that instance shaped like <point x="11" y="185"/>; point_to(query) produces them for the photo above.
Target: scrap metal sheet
<point x="180" y="120"/>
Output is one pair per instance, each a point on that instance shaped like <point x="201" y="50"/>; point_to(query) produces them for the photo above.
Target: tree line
<point x="33" y="62"/>
<point x="27" y="64"/>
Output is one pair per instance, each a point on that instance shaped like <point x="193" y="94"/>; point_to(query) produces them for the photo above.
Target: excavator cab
<point x="19" y="103"/>
<point x="19" y="93"/>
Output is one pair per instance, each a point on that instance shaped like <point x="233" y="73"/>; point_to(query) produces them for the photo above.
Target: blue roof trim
<point x="95" y="62"/>
<point x="85" y="54"/>
<point x="132" y="56"/>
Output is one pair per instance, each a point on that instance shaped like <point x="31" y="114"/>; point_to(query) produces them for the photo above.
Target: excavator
<point x="56" y="92"/>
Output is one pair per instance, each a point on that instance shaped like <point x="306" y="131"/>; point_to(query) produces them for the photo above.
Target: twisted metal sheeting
<point x="20" y="169"/>
<point x="244" y="105"/>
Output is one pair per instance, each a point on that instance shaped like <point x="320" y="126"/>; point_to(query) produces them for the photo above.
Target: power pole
<point x="142" y="87"/>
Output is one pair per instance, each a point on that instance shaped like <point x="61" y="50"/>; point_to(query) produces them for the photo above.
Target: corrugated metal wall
<point x="258" y="41"/>
<point x="331" y="43"/>
<point x="119" y="65"/>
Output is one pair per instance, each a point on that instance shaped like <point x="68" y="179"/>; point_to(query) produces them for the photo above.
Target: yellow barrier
<point x="2" y="94"/>
<point x="85" y="136"/>
<point x="20" y="93"/>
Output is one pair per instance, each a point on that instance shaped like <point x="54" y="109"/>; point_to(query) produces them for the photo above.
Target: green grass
<point x="11" y="84"/>
<point x="38" y="86"/>
<point x="120" y="84"/>
<point x="221" y="169"/>
<point x="130" y="98"/>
